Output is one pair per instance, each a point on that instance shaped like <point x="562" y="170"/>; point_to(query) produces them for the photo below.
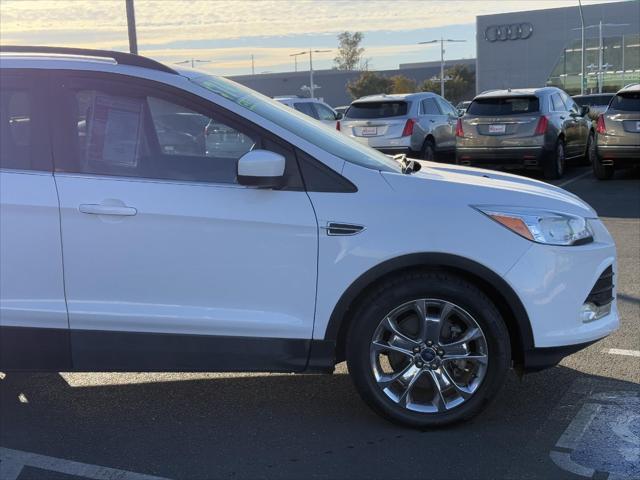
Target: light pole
<point x="442" y="42"/>
<point x="131" y="26"/>
<point x="193" y="62"/>
<point x="295" y="59"/>
<point x="310" y="52"/>
<point x="583" y="80"/>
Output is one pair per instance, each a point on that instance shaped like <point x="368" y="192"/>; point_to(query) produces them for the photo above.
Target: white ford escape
<point x="161" y="220"/>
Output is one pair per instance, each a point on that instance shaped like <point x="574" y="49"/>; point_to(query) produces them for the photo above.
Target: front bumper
<point x="553" y="284"/>
<point x="514" y="157"/>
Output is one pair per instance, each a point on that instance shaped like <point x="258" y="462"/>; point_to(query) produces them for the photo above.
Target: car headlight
<point x="551" y="228"/>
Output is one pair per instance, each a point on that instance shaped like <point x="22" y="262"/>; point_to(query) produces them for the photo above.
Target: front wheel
<point x="428" y="349"/>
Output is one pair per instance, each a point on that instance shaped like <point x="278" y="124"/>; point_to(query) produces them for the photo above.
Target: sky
<point x="225" y="34"/>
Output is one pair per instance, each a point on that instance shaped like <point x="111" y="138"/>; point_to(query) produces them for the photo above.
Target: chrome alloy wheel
<point x="429" y="355"/>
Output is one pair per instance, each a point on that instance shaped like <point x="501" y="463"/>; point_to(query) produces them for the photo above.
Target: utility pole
<point x="583" y="79"/>
<point x="131" y="25"/>
<point x="442" y="42"/>
<point x="295" y="59"/>
<point x="193" y="62"/>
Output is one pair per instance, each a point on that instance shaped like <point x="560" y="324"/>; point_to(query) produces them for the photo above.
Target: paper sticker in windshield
<point x="114" y="129"/>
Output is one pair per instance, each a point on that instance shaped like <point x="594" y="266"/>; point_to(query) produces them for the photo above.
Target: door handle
<point x="96" y="209"/>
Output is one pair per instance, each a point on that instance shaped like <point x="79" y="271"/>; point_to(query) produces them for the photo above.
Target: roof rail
<point x="121" y="58"/>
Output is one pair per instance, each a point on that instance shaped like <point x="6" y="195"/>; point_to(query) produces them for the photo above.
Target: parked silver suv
<point x="527" y="128"/>
<point x="418" y="124"/>
<point x="617" y="134"/>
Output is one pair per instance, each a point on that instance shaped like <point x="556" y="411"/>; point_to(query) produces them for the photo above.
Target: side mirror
<point x="261" y="168"/>
<point x="339" y="116"/>
<point x="584" y="111"/>
<point x="461" y="112"/>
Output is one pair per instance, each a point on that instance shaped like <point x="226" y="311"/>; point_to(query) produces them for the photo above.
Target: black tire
<point x="386" y="297"/>
<point x="601" y="172"/>
<point x="428" y="150"/>
<point x="556" y="162"/>
<point x="586" y="159"/>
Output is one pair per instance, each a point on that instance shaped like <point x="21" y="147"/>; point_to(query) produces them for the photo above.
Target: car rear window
<point x="626" y="102"/>
<point x="504" y="106"/>
<point x="593" y="101"/>
<point x="377" y="110"/>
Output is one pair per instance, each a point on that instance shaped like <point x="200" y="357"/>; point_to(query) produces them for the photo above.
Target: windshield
<point x="493" y="106"/>
<point x="362" y="110"/>
<point x="311" y="130"/>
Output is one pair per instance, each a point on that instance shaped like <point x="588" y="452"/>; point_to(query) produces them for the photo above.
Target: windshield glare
<point x="311" y="130"/>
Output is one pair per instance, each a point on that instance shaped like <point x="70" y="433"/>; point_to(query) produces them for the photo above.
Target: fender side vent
<point x="343" y="229"/>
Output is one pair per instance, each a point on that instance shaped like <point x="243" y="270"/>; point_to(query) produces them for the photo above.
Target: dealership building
<point x="513" y="50"/>
<point x="543" y="47"/>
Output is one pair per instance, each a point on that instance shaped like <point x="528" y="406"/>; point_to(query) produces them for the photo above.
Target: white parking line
<point x="12" y="462"/>
<point x="619" y="351"/>
<point x="571" y="180"/>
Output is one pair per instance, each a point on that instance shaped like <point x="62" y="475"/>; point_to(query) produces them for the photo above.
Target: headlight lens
<point x="540" y="226"/>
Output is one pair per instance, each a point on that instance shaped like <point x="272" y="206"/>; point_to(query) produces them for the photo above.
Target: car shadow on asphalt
<point x="280" y="426"/>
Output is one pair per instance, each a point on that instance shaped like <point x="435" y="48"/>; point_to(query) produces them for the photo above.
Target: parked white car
<point x="131" y="243"/>
<point x="314" y="108"/>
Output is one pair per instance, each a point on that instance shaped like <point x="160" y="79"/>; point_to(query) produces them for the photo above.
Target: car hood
<point x="477" y="186"/>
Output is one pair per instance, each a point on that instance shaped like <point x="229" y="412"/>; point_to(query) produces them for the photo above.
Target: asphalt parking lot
<point x="580" y="419"/>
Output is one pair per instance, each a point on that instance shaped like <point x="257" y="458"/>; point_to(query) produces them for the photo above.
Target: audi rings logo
<point x="502" y="33"/>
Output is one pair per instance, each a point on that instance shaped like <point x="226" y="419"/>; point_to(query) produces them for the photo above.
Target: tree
<point x="460" y="84"/>
<point x="350" y="52"/>
<point x="402" y="84"/>
<point x="369" y="83"/>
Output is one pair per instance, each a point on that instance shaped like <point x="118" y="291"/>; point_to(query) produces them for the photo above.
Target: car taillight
<point x="600" y="125"/>
<point x="541" y="128"/>
<point x="338" y="125"/>
<point x="459" y="129"/>
<point x="408" y="127"/>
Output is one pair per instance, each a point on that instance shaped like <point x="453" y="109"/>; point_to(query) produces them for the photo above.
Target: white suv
<point x="132" y="242"/>
<point x="314" y="108"/>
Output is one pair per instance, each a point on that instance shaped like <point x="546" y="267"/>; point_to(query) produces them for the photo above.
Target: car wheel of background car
<point x="602" y="172"/>
<point x="590" y="150"/>
<point x="554" y="166"/>
<point x="428" y="150"/>
<point x="427" y="349"/>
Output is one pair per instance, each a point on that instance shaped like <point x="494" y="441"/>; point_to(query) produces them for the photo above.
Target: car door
<point x="170" y="264"/>
<point x="33" y="314"/>
<point x="325" y="114"/>
<point x="580" y="125"/>
<point x="450" y="119"/>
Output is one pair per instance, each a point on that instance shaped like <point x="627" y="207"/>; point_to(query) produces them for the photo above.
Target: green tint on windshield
<point x="311" y="130"/>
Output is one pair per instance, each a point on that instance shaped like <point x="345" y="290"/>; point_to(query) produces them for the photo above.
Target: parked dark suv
<point x="617" y="134"/>
<point x="526" y="128"/>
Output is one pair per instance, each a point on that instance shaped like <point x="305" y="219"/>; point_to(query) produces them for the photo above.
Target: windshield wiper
<point x="408" y="166"/>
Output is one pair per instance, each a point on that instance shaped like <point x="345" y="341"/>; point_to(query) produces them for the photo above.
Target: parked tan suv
<point x="617" y="141"/>
<point x="533" y="128"/>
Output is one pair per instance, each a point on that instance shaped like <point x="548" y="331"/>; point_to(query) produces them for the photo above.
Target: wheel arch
<point x="492" y="284"/>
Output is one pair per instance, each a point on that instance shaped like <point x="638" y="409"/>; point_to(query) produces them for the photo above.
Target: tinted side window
<point x="126" y="129"/>
<point x="557" y="104"/>
<point x="306" y="108"/>
<point x="324" y="113"/>
<point x="568" y="101"/>
<point x="23" y="131"/>
<point x="429" y="107"/>
<point x="447" y="108"/>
